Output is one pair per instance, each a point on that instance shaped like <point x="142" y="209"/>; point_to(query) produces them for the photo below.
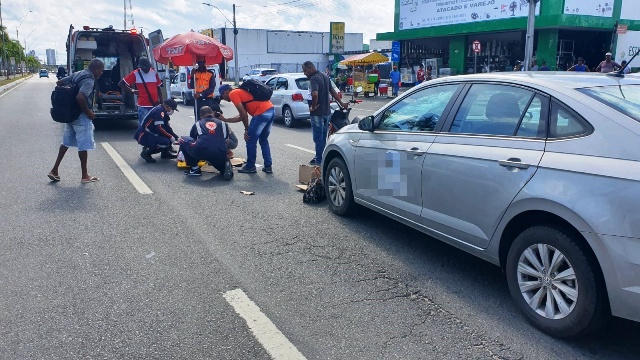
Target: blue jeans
<point x="259" y="130"/>
<point x="319" y="128"/>
<point x="396" y="87"/>
<point x="142" y="112"/>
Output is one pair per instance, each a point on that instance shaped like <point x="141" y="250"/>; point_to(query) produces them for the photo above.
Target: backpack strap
<point x="146" y="88"/>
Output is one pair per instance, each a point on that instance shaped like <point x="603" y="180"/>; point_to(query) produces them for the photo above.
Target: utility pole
<point x="528" y="50"/>
<point x="4" y="46"/>
<point x="235" y="46"/>
<point x="124" y="23"/>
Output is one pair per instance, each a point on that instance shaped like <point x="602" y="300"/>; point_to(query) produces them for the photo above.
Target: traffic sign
<point x="476" y="46"/>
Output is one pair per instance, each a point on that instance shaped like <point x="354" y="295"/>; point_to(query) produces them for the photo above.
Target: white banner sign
<point x="628" y="44"/>
<point x="630" y="10"/>
<point x="416" y="14"/>
<point x="602" y="8"/>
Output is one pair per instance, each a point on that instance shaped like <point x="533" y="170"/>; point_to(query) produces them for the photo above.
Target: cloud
<point x="49" y="23"/>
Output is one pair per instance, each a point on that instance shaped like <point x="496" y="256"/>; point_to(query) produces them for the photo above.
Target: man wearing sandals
<point x="79" y="133"/>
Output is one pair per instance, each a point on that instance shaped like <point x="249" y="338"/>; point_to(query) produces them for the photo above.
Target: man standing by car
<point x="607" y="65"/>
<point x="320" y="109"/>
<point x="79" y="133"/>
<point x="145" y="83"/>
<point x="203" y="83"/>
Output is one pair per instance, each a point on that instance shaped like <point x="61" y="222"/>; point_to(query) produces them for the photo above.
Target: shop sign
<point x="589" y="7"/>
<point x="630" y="10"/>
<point x="337" y="38"/>
<point x="476" y="46"/>
<point x="628" y="44"/>
<point x="395" y="51"/>
<point x="415" y="14"/>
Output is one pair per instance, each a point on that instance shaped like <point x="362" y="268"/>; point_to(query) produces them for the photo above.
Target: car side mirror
<point x="366" y="124"/>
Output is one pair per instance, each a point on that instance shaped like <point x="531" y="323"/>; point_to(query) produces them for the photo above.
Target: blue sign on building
<point x="395" y="51"/>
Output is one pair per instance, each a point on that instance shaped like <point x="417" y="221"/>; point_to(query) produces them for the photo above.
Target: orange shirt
<point x="254" y="108"/>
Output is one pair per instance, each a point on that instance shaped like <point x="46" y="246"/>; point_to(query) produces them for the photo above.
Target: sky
<point x="47" y="25"/>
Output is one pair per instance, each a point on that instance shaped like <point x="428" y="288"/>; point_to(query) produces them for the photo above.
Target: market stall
<point x="361" y="78"/>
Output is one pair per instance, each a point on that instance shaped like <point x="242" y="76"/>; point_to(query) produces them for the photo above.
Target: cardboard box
<point x="306" y="173"/>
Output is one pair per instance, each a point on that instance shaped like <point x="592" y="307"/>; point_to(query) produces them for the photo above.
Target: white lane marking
<point x="301" y="148"/>
<point x="267" y="334"/>
<point x="127" y="170"/>
<point x="13" y="88"/>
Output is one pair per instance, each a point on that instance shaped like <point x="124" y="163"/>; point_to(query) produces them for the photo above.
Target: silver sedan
<point x="538" y="173"/>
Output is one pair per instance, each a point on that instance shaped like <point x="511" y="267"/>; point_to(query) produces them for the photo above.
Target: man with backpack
<point x="144" y="82"/>
<point x="252" y="98"/>
<point x="207" y="141"/>
<point x="79" y="132"/>
<point x="320" y="108"/>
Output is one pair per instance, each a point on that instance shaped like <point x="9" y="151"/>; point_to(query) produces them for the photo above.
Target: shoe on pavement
<point x="193" y="172"/>
<point x="247" y="170"/>
<point x="172" y="150"/>
<point x="267" y="169"/>
<point x="146" y="156"/>
<point x="314" y="162"/>
<point x="168" y="155"/>
<point x="228" y="171"/>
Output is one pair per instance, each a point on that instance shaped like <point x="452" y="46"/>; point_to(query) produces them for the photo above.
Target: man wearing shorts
<point x="79" y="133"/>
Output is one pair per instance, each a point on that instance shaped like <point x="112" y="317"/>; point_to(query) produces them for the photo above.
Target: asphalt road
<point x="102" y="271"/>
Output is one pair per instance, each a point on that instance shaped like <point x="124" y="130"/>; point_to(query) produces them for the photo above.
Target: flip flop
<point x="53" y="177"/>
<point x="89" y="179"/>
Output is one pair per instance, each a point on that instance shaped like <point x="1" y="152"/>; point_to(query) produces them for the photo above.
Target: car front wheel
<point x="555" y="283"/>
<point x="337" y="184"/>
<point x="185" y="101"/>
<point x="287" y="115"/>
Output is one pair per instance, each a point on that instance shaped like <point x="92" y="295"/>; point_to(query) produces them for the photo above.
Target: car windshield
<point x="302" y="83"/>
<point x="624" y="98"/>
<point x="269" y="72"/>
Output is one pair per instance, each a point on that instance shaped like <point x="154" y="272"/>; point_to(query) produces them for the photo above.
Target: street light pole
<point x="528" y="50"/>
<point x="17" y="27"/>
<point x="235" y="38"/>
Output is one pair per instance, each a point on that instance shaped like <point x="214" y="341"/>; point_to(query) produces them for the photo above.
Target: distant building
<point x="51" y="57"/>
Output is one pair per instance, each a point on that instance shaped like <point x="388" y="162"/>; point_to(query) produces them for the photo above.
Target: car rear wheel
<point x="287" y="115"/>
<point x="337" y="184"/>
<point x="555" y="283"/>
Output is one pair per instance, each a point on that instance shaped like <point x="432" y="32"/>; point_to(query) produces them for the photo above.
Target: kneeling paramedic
<point x="207" y="141"/>
<point x="155" y="134"/>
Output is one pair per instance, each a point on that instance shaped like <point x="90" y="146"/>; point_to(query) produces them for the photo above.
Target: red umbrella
<point x="183" y="49"/>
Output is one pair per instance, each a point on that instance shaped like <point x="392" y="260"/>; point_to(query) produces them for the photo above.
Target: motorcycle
<point x="340" y="116"/>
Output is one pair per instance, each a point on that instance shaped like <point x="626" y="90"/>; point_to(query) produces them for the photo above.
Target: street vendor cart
<point x="361" y="79"/>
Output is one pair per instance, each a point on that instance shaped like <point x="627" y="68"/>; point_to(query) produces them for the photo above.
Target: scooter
<point x="340" y="117"/>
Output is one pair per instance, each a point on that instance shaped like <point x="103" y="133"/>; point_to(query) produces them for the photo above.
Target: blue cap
<point x="223" y="88"/>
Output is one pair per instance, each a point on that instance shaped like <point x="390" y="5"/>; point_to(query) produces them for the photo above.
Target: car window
<point x="419" y="111"/>
<point x="534" y="122"/>
<point x="302" y="83"/>
<point x="564" y="122"/>
<point x="269" y="72"/>
<point x="491" y="109"/>
<point x="624" y="98"/>
<point x="282" y="84"/>
<point x="183" y="77"/>
<point x="272" y="83"/>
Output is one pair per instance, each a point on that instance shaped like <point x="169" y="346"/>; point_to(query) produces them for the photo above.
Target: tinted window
<point x="625" y="98"/>
<point x="565" y="123"/>
<point x="269" y="72"/>
<point x="272" y="83"/>
<point x="492" y="110"/>
<point x="183" y="77"/>
<point x="282" y="84"/>
<point x="534" y="122"/>
<point x="419" y="111"/>
<point x="302" y="83"/>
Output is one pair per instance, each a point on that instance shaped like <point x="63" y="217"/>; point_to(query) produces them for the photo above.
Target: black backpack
<point x="64" y="106"/>
<point x="257" y="89"/>
<point x="315" y="192"/>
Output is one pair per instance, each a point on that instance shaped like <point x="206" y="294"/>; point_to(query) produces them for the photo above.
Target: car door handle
<point x="415" y="151"/>
<point x="513" y="162"/>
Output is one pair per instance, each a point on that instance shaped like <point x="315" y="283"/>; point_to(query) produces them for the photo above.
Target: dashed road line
<point x="300" y="148"/>
<point x="267" y="334"/>
<point x="127" y="170"/>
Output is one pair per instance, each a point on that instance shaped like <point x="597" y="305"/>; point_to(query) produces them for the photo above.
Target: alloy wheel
<point x="547" y="281"/>
<point x="288" y="117"/>
<point x="337" y="186"/>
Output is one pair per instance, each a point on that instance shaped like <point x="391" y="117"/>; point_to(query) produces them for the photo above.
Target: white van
<point x="111" y="46"/>
<point x="180" y="83"/>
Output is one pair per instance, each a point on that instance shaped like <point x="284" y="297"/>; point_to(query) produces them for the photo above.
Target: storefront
<point x="442" y="33"/>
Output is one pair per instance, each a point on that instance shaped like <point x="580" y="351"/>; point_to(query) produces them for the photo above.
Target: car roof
<point x="549" y="79"/>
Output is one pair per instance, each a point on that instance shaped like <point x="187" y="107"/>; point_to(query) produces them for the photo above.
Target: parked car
<point x="44" y="73"/>
<point x="260" y="74"/>
<point x="536" y="173"/>
<point x="290" y="97"/>
<point x="180" y="83"/>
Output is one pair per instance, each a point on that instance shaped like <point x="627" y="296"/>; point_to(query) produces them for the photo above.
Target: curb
<point x="4" y="88"/>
